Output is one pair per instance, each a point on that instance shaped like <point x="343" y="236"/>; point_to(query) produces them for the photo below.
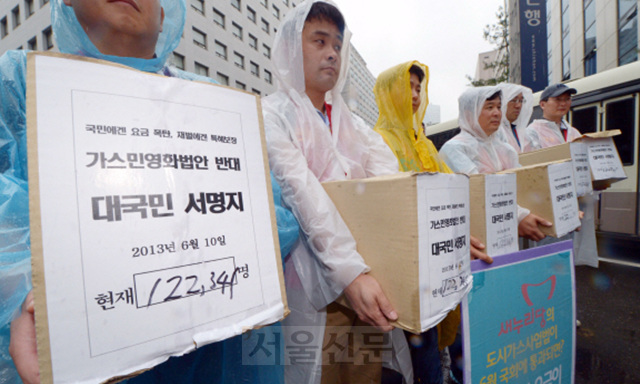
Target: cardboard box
<point x="412" y="229"/>
<point x="595" y="158"/>
<point x="548" y="190"/>
<point x="576" y="151"/>
<point x="604" y="159"/>
<point x="494" y="212"/>
<point x="122" y="281"/>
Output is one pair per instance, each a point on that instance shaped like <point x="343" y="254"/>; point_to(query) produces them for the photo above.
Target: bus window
<point x="621" y="114"/>
<point x="439" y="139"/>
<point x="585" y="119"/>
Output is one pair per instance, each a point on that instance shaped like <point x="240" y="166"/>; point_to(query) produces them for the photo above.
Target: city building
<point x="486" y="67"/>
<point x="358" y="91"/>
<point x="584" y="37"/>
<point x="228" y="40"/>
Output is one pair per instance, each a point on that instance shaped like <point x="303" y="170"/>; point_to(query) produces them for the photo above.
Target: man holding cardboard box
<point x="479" y="149"/>
<point x="402" y="97"/>
<point x="312" y="137"/>
<point x="139" y="34"/>
<point x="552" y="129"/>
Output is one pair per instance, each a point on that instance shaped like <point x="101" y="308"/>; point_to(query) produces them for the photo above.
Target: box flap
<point x="601" y="135"/>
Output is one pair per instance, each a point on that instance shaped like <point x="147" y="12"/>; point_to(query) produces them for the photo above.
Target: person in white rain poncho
<point x="478" y="148"/>
<point x="312" y="138"/>
<point x="552" y="129"/>
<point x="517" y="107"/>
<point x="140" y="35"/>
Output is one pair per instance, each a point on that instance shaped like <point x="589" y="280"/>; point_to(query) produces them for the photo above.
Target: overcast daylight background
<point x="446" y="35"/>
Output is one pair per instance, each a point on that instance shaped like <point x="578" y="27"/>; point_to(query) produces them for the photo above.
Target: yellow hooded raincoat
<point x="399" y="126"/>
<point x="403" y="133"/>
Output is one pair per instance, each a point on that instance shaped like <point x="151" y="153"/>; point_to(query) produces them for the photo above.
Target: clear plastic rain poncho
<point x="509" y="92"/>
<point x="472" y="151"/>
<point x="303" y="153"/>
<point x="15" y="254"/>
<point x="543" y="133"/>
<point x="399" y="126"/>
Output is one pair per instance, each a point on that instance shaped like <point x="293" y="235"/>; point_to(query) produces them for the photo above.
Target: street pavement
<point x="608" y="307"/>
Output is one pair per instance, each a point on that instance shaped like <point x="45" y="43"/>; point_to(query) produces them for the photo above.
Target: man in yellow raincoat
<point x="401" y="95"/>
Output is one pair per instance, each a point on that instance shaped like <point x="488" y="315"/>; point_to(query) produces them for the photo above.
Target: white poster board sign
<point x="604" y="160"/>
<point x="581" y="168"/>
<point x="153" y="229"/>
<point x="443" y="222"/>
<point x="563" y="197"/>
<point x="502" y="214"/>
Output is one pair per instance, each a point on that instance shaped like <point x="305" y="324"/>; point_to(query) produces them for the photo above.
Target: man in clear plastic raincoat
<point x="517" y="107"/>
<point x="552" y="129"/>
<point x="312" y="138"/>
<point x="402" y="98"/>
<point x="142" y="38"/>
<point x="478" y="148"/>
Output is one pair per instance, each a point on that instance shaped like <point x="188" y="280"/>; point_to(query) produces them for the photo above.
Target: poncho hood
<point x="287" y="55"/>
<point x="470" y="106"/>
<point x="509" y="92"/>
<point x="399" y="126"/>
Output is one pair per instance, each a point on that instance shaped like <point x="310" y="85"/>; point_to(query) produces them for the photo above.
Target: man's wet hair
<point x="326" y="12"/>
<point x="415" y="70"/>
<point x="494" y="96"/>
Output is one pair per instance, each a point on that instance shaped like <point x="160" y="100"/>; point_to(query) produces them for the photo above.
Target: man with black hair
<point x="312" y="137"/>
<point x="478" y="148"/>
<point x="402" y="97"/>
<point x="517" y="107"/>
<point x="552" y="129"/>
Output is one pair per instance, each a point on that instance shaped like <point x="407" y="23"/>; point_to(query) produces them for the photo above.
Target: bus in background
<point x="605" y="101"/>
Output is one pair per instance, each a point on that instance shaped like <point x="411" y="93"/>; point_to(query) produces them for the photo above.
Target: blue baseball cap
<point x="555" y="90"/>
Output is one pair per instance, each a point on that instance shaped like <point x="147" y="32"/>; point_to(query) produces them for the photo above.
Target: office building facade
<point x="584" y="37"/>
<point x="228" y="40"/>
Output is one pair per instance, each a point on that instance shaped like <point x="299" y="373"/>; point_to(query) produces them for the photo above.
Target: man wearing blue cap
<point x="552" y="129"/>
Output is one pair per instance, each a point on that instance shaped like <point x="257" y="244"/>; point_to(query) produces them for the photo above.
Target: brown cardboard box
<point x="604" y="159"/>
<point x="608" y="167"/>
<point x="548" y="190"/>
<point x="413" y="231"/>
<point x="116" y="302"/>
<point x="494" y="212"/>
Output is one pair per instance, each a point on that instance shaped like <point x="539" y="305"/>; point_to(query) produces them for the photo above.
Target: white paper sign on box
<point x="563" y="197"/>
<point x="502" y="214"/>
<point x="604" y="160"/>
<point x="443" y="215"/>
<point x="581" y="168"/>
<point x="152" y="220"/>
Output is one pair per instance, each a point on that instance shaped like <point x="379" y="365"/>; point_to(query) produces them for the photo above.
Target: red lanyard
<point x="327" y="107"/>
